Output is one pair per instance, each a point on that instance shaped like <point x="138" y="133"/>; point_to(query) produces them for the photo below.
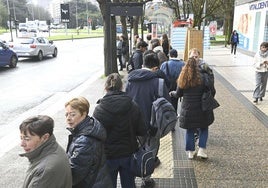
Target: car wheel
<point x="13" y="62"/>
<point x="40" y="56"/>
<point x="55" y="52"/>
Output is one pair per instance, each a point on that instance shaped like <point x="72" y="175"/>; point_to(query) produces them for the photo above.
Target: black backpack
<point x="130" y="64"/>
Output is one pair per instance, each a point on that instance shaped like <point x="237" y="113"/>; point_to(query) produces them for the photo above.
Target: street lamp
<point x="76" y="19"/>
<point x="15" y="18"/>
<point x="87" y="18"/>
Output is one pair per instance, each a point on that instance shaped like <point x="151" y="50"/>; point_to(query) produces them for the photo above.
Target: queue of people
<point x="100" y="146"/>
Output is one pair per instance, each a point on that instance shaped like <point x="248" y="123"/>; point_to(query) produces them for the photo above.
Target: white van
<point x="23" y="27"/>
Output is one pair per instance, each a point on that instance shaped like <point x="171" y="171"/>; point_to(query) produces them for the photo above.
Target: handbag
<point x="208" y="101"/>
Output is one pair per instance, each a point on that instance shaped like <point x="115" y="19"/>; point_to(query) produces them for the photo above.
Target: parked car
<point x="23" y="27"/>
<point x="32" y="29"/>
<point x="36" y="47"/>
<point x="7" y="56"/>
<point x="43" y="27"/>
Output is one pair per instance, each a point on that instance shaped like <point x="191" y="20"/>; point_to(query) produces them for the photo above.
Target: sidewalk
<point x="237" y="145"/>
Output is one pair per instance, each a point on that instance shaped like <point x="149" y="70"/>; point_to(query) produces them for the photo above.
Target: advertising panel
<point x="65" y="13"/>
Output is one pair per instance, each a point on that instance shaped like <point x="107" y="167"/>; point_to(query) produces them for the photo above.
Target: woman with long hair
<point x="190" y="86"/>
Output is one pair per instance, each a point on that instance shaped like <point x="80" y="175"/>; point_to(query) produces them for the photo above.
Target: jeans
<point x="121" y="166"/>
<point x="190" y="141"/>
<point x="120" y="61"/>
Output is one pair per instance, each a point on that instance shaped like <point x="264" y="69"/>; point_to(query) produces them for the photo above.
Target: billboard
<point x="65" y="13"/>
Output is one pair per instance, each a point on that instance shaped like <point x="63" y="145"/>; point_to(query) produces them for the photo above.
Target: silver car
<point x="37" y="47"/>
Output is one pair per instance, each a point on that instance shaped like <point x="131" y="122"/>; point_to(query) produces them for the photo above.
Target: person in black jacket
<point x="85" y="147"/>
<point x="137" y="57"/>
<point x="191" y="87"/>
<point x="123" y="120"/>
<point x="234" y="41"/>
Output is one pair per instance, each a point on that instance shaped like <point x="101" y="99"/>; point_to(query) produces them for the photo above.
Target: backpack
<point x="142" y="163"/>
<point x="163" y="115"/>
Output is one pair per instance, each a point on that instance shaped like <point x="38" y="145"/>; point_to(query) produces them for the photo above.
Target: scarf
<point x="263" y="54"/>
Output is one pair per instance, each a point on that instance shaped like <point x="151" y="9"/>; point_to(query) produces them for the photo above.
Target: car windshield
<point x="26" y="41"/>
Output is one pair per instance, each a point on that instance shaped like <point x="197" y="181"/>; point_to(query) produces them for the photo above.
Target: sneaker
<point x="148" y="183"/>
<point x="256" y="100"/>
<point x="202" y="153"/>
<point x="261" y="99"/>
<point x="191" y="154"/>
<point x="157" y="162"/>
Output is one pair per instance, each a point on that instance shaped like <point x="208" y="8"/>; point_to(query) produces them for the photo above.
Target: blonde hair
<point x="190" y="75"/>
<point x="195" y="50"/>
<point x="79" y="103"/>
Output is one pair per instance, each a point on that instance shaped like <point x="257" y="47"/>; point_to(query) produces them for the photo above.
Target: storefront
<point x="251" y="23"/>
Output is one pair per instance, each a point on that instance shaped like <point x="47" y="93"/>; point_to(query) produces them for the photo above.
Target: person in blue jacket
<point x="85" y="148"/>
<point x="172" y="69"/>
<point x="234" y="41"/>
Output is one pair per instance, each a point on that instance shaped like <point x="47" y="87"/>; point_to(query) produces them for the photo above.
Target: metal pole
<point x="32" y="12"/>
<point x="204" y="20"/>
<point x="9" y="16"/>
<point x="14" y="10"/>
<point x="87" y="19"/>
<point x="76" y="19"/>
<point x="15" y="18"/>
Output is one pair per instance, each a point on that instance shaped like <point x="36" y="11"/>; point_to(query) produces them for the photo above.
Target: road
<point x="42" y="86"/>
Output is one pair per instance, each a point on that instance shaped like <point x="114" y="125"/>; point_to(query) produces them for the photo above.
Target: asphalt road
<point x="41" y="86"/>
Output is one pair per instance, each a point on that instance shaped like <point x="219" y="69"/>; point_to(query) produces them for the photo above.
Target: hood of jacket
<point x="158" y="48"/>
<point x="141" y="75"/>
<point x="89" y="127"/>
<point x="119" y="99"/>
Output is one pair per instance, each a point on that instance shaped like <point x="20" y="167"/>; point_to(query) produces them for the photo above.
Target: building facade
<point x="251" y="23"/>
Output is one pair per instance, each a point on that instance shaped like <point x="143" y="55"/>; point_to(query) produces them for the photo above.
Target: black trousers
<point x="233" y="48"/>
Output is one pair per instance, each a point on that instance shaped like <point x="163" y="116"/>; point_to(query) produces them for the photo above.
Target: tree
<point x="20" y="10"/>
<point x="78" y="13"/>
<point x="228" y="12"/>
<point x="220" y="9"/>
<point x="178" y="8"/>
<point x="3" y="15"/>
<point x="108" y="68"/>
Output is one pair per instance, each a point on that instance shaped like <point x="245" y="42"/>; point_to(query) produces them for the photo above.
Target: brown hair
<point x="37" y="125"/>
<point x="190" y="75"/>
<point x="165" y="37"/>
<point x="155" y="43"/>
<point x="264" y="44"/>
<point x="113" y="82"/>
